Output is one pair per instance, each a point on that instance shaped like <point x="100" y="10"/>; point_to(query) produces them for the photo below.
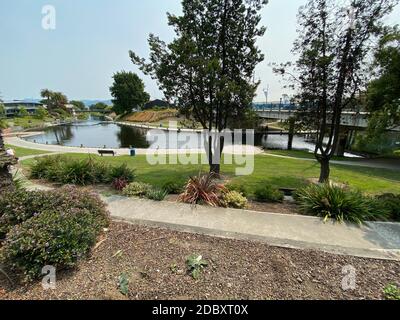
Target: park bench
<point x="103" y="152"/>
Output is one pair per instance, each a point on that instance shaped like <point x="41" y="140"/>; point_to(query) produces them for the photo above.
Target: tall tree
<point x="128" y="92"/>
<point x="207" y="70"/>
<point x="333" y="45"/>
<point x="383" y="95"/>
<point x="78" y="104"/>
<point x="53" y="100"/>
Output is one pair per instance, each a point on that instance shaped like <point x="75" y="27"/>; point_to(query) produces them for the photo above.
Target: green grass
<point x="28" y="122"/>
<point x="306" y="155"/>
<point x="282" y="173"/>
<point x="23" y="152"/>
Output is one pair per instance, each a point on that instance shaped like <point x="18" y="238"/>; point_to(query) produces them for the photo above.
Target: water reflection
<point x="98" y="134"/>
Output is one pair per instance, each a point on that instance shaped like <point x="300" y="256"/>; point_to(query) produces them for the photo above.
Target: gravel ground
<point x="236" y="270"/>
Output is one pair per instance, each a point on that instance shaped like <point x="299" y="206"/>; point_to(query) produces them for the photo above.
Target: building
<point x="12" y="108"/>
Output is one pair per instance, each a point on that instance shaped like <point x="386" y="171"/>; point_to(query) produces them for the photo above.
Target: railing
<point x="274" y="106"/>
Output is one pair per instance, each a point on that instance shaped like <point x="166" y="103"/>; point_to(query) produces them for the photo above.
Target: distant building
<point x="12" y="108"/>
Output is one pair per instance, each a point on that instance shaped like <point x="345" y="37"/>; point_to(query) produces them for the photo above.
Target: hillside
<point x="151" y="116"/>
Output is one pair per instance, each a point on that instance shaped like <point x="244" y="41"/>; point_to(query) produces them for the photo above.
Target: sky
<point x="92" y="38"/>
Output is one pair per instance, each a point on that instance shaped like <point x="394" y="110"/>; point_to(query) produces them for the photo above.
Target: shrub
<point x="56" y="228"/>
<point x="136" y="189"/>
<point x="333" y="202"/>
<point x="202" y="189"/>
<point x="391" y="203"/>
<point x="240" y="188"/>
<point x="173" y="187"/>
<point x="51" y="238"/>
<point x="19" y="206"/>
<point x="122" y="172"/>
<point x="119" y="184"/>
<point x="156" y="194"/>
<point x="234" y="199"/>
<point x="268" y="194"/>
<point x="86" y="171"/>
<point x="392" y="292"/>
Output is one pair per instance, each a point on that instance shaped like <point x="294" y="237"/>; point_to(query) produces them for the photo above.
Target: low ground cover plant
<point x="203" y="189"/>
<point x="392" y="292"/>
<point x="173" y="187"/>
<point x="136" y="189"/>
<point x="341" y="204"/>
<point x="391" y="203"/>
<point x="234" y="199"/>
<point x="79" y="171"/>
<point x="268" y="193"/>
<point x="54" y="228"/>
<point x="156" y="194"/>
<point x="195" y="265"/>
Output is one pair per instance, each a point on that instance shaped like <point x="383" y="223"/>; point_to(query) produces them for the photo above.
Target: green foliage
<point x="78" y="104"/>
<point x="128" y="92"/>
<point x="136" y="189"/>
<point x="99" y="106"/>
<point x="22" y="112"/>
<point x="234" y="199"/>
<point x="55" y="228"/>
<point x="3" y="124"/>
<point x="123" y="284"/>
<point x="392" y="292"/>
<point x="54" y="101"/>
<point x="156" y="194"/>
<point x="20" y="205"/>
<point x="383" y="93"/>
<point x="79" y="171"/>
<point x="240" y="188"/>
<point x="41" y="113"/>
<point x="173" y="187"/>
<point x="391" y="203"/>
<point x="2" y="110"/>
<point x="268" y="193"/>
<point x="195" y="264"/>
<point x="333" y="202"/>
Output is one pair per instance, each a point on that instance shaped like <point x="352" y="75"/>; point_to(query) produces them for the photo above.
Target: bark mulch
<point x="154" y="261"/>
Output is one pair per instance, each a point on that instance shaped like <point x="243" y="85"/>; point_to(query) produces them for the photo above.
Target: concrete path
<point x="18" y="142"/>
<point x="376" y="240"/>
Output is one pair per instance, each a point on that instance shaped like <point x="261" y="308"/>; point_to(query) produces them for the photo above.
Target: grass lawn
<point x="289" y="173"/>
<point x="28" y="122"/>
<point x="306" y="155"/>
<point x="23" y="152"/>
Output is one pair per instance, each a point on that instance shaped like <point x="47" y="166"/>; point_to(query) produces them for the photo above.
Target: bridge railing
<point x="274" y="106"/>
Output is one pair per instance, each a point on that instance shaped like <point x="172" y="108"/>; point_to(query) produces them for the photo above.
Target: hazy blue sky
<point x="92" y="39"/>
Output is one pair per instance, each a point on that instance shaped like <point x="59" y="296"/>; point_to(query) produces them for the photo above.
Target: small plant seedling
<point x="195" y="265"/>
<point x="173" y="268"/>
<point x="123" y="284"/>
<point x="392" y="292"/>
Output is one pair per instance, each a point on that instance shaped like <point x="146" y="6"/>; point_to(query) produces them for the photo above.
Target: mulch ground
<point x="236" y="270"/>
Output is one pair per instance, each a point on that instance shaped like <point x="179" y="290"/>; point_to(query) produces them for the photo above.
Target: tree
<point x="2" y="110"/>
<point x="383" y="95"/>
<point x="22" y="112"/>
<point x="53" y="100"/>
<point x="41" y="113"/>
<point x="207" y="70"/>
<point x="99" y="106"/>
<point x="78" y="104"/>
<point x="332" y="45"/>
<point x="128" y="92"/>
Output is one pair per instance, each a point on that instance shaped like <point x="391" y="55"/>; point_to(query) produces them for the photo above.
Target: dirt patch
<point x="151" y="116"/>
<point x="154" y="260"/>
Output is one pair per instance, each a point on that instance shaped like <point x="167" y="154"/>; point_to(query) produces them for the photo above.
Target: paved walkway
<point x="376" y="240"/>
<point x="18" y="142"/>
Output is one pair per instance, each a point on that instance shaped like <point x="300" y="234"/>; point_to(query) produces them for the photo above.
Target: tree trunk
<point x="325" y="170"/>
<point x="291" y="133"/>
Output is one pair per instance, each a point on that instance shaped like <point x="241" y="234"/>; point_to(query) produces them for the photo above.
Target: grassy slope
<point x="279" y="172"/>
<point x="23" y="152"/>
<point x="28" y="122"/>
<point x="305" y="155"/>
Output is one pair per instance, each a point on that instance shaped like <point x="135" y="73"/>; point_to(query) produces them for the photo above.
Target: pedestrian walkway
<point x="374" y="240"/>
